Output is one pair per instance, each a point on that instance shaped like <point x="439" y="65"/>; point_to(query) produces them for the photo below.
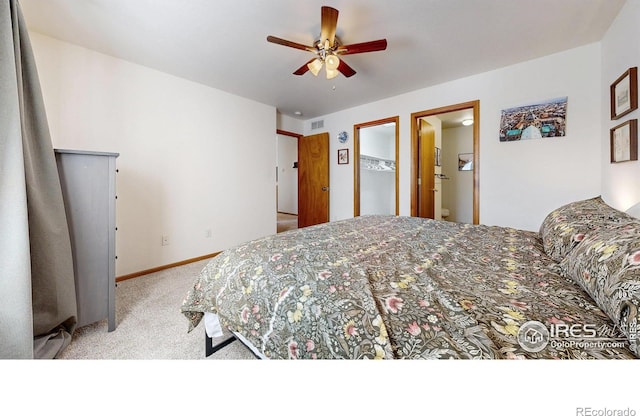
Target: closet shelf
<point x="377" y="164"/>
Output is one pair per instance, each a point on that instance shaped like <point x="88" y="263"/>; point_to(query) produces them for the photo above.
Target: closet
<point x="376" y="167"/>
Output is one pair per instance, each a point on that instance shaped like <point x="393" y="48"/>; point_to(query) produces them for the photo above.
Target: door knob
<point x="325" y="188"/>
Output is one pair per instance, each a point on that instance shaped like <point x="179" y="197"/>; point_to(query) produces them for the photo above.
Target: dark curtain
<point x="38" y="311"/>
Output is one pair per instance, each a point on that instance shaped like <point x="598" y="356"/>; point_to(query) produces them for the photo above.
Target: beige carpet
<point x="287" y="222"/>
<point x="149" y="323"/>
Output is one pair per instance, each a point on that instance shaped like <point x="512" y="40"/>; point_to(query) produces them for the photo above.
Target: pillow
<point x="566" y="226"/>
<point x="634" y="211"/>
<point x="606" y="264"/>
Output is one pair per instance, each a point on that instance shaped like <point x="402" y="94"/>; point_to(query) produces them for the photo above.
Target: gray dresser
<point x="88" y="181"/>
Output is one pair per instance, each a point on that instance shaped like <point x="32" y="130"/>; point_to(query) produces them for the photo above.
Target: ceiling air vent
<point x="317" y="124"/>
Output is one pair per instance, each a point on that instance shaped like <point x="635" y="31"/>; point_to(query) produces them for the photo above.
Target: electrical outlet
<point x="207" y="233"/>
<point x="165" y="240"/>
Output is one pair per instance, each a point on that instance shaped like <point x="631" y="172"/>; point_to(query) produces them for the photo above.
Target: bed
<point x="394" y="287"/>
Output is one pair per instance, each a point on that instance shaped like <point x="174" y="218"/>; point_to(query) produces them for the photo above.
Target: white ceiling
<point x="454" y="119"/>
<point x="222" y="43"/>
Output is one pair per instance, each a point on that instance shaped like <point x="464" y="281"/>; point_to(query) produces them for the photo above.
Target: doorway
<point x="376" y="167"/>
<point x="302" y="180"/>
<point x="427" y="177"/>
<point x="287" y="180"/>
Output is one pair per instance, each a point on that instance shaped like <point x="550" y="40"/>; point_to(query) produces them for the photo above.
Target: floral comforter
<point x="391" y="287"/>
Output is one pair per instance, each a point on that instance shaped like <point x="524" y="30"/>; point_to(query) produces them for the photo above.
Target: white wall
<point x="378" y="142"/>
<point x="520" y="182"/>
<point x="620" y="51"/>
<point x="287" y="174"/>
<point x="290" y="124"/>
<point x="189" y="159"/>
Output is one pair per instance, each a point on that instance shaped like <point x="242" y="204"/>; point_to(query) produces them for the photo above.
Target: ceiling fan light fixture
<point x="332" y="62"/>
<point x="331" y="73"/>
<point x="315" y="66"/>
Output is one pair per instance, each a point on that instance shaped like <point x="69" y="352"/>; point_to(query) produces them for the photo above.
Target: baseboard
<point x="166" y="266"/>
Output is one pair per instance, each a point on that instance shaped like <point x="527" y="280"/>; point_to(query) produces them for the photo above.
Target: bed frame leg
<point x="209" y="348"/>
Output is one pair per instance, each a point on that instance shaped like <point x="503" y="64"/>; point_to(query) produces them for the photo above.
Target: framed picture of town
<point x="534" y="121"/>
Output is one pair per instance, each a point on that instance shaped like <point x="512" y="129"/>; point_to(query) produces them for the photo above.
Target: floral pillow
<point x="606" y="264"/>
<point x="566" y="226"/>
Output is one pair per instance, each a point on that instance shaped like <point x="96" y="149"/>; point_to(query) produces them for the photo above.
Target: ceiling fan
<point x="328" y="48"/>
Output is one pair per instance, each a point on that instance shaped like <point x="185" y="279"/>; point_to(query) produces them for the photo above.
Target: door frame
<point x="415" y="129"/>
<point x="356" y="160"/>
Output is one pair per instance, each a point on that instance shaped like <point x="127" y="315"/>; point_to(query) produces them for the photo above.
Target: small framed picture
<point x="624" y="142"/>
<point x="465" y="161"/>
<point x="343" y="156"/>
<point x="624" y="93"/>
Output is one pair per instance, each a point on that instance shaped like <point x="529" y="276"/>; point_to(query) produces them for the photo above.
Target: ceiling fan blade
<point x="290" y="44"/>
<point x="328" y="24"/>
<point x="345" y="69"/>
<point x="304" y="68"/>
<point x="372" y="46"/>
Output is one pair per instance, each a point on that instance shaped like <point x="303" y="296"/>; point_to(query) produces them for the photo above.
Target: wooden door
<point x="313" y="180"/>
<point x="426" y="172"/>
